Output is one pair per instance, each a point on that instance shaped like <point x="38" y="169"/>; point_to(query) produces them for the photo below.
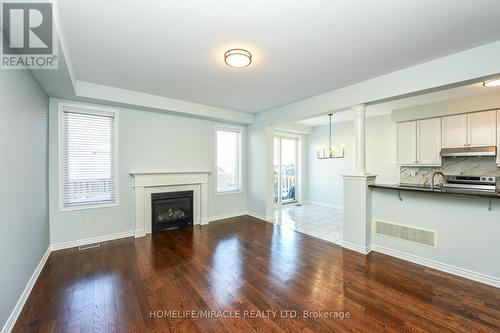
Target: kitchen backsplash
<point x="470" y="166"/>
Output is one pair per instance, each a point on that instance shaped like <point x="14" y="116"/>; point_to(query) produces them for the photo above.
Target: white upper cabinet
<point x="406" y="137"/>
<point x="419" y="142"/>
<point x="454" y="131"/>
<point x="429" y="141"/>
<point x="482" y="129"/>
<point x="477" y="129"/>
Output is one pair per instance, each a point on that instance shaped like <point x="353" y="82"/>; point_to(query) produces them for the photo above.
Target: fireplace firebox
<point x="171" y="210"/>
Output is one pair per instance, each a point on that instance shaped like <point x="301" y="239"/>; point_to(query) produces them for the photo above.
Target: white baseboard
<point x="465" y="273"/>
<point x="11" y="321"/>
<point x="253" y="214"/>
<point x="256" y="215"/>
<point x="80" y="242"/>
<point x="356" y="247"/>
<point x="259" y="216"/>
<point x="226" y="216"/>
<point x="139" y="233"/>
<point x="324" y="204"/>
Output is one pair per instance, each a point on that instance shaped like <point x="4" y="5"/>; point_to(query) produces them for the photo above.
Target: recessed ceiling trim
<point x="180" y="55"/>
<point x="474" y="63"/>
<point x="160" y="103"/>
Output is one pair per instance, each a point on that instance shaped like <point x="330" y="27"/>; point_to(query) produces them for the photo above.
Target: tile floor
<point x="315" y="220"/>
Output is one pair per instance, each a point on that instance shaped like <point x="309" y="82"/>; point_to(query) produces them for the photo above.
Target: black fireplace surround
<point x="171" y="210"/>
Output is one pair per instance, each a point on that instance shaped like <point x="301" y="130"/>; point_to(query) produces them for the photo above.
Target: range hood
<point x="469" y="151"/>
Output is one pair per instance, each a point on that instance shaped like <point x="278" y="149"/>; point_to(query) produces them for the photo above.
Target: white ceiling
<point x="386" y="108"/>
<point x="301" y="48"/>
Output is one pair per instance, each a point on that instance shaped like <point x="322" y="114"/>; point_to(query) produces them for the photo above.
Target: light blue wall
<point x="24" y="192"/>
<point x="257" y="157"/>
<point x="324" y="177"/>
<point x="467" y="232"/>
<point x="148" y="141"/>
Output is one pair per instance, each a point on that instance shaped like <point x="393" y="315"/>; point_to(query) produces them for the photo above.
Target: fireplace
<point x="171" y="210"/>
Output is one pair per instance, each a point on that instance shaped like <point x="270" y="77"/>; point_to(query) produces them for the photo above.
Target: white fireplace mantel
<point x="147" y="183"/>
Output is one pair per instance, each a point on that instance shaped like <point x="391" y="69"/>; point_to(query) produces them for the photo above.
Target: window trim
<point x="241" y="130"/>
<point x="60" y="138"/>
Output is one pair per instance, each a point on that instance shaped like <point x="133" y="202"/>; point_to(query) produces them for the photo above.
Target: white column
<point x="359" y="140"/>
<point x="357" y="196"/>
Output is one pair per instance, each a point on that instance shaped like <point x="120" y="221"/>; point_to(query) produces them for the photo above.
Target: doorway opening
<point x="285" y="169"/>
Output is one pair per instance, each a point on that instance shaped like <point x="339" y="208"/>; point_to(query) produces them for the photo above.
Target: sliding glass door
<point x="285" y="169"/>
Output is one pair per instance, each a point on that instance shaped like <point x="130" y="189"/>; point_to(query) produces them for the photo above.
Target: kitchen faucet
<point x="434" y="175"/>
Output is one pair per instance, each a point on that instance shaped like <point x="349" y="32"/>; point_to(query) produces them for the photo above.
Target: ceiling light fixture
<point x="491" y="83"/>
<point x="323" y="154"/>
<point x="237" y="58"/>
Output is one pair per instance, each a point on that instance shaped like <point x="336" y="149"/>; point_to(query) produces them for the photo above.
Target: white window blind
<point x="88" y="157"/>
<point x="228" y="160"/>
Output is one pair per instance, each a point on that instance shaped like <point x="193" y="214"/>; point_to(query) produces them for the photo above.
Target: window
<point x="228" y="159"/>
<point x="88" y="157"/>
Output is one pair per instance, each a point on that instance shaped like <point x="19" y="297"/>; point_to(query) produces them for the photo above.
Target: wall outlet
<point x="88" y="220"/>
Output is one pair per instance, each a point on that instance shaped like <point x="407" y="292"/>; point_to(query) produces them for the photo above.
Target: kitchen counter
<point x="439" y="190"/>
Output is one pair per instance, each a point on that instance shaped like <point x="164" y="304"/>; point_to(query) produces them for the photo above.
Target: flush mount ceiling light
<point x="491" y="83"/>
<point x="237" y="58"/>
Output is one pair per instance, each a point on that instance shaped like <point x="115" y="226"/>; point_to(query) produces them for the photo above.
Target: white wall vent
<point x="406" y="232"/>
<point x="89" y="246"/>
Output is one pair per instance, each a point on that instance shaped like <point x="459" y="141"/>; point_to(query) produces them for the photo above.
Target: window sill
<point x="69" y="209"/>
<point x="229" y="193"/>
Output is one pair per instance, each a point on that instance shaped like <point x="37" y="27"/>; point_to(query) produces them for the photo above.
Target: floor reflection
<point x="284" y="254"/>
<point x="226" y="269"/>
<point x="247" y="264"/>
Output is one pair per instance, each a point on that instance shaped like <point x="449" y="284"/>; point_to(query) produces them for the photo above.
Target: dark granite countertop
<point x="439" y="190"/>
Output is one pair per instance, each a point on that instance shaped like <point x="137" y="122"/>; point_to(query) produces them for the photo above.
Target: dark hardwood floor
<point x="248" y="267"/>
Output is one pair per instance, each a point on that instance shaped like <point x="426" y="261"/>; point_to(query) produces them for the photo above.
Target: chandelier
<point x="323" y="153"/>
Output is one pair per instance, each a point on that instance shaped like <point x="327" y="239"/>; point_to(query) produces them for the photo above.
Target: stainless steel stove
<point x="478" y="183"/>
